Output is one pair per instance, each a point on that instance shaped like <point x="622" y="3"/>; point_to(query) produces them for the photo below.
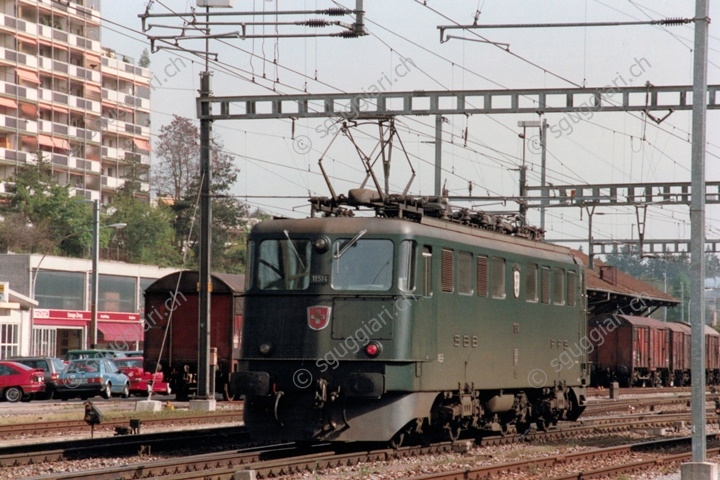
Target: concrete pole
<point x="543" y="169"/>
<point x="697" y="228"/>
<point x="95" y="277"/>
<point x="438" y="155"/>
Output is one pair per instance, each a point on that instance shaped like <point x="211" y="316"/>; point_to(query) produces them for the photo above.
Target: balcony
<point x="20" y="124"/>
<point x="72" y="101"/>
<point x="11" y="155"/>
<point x="22" y="93"/>
<point x="16" y="57"/>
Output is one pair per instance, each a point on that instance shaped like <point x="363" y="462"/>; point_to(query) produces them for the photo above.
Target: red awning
<point x="29" y="109"/>
<point x="28" y="76"/>
<point x="142" y="144"/>
<point x="26" y="39"/>
<point x="93" y="88"/>
<point x="8" y="102"/>
<point x="46" y="141"/>
<point x="126" y="332"/>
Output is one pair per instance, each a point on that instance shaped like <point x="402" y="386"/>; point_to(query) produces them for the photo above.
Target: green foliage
<point x="144" y="61"/>
<point x="148" y="236"/>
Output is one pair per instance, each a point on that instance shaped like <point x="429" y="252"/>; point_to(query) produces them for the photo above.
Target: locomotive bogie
<point x="372" y="329"/>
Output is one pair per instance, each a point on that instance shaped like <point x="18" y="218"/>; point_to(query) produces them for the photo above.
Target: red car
<point x="20" y="382"/>
<point x="140" y="380"/>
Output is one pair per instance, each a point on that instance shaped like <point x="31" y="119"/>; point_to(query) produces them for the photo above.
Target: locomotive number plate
<point x="321" y="279"/>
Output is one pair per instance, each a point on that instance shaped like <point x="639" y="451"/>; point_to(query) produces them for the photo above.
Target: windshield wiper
<point x="349" y="244"/>
<point x="292" y="244"/>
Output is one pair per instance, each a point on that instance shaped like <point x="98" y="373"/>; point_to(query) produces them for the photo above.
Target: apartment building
<point x="65" y="97"/>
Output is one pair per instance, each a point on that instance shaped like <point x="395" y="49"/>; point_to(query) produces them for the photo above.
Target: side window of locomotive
<point x="558" y="286"/>
<point x="283" y="265"/>
<point x="531" y="282"/>
<point x="545" y="285"/>
<point x="362" y="265"/>
<point x="571" y="288"/>
<point x="497" y="277"/>
<point x="406" y="275"/>
<point x="482" y="276"/>
<point x="465" y="273"/>
<point x="448" y="270"/>
<point x="427" y="277"/>
<point x="249" y="261"/>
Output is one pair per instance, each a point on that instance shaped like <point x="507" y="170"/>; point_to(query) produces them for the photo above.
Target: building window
<point x="60" y="290"/>
<point x="558" y="286"/>
<point x="497" y="277"/>
<point x="482" y="276"/>
<point x="531" y="283"/>
<point x="44" y="342"/>
<point x="447" y="270"/>
<point x="9" y="344"/>
<point x="545" y="285"/>
<point x="465" y="273"/>
<point x="117" y="294"/>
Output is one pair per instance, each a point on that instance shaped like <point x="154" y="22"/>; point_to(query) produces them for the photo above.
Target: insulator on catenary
<point x="346" y="34"/>
<point x="675" y="21"/>
<point x="315" y="23"/>
<point x="336" y="12"/>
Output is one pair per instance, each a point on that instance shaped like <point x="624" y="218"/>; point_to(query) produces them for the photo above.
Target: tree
<point x="148" y="236"/>
<point x="144" y="61"/>
<point x="178" y="176"/>
<point x="47" y="211"/>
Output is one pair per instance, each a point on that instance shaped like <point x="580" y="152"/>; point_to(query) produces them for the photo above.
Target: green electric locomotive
<point x="413" y="324"/>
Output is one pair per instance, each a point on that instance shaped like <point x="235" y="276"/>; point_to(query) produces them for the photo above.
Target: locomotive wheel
<point x="397" y="440"/>
<point x="541" y="425"/>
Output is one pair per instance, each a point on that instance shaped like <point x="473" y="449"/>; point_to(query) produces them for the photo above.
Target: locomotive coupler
<point x="321" y="393"/>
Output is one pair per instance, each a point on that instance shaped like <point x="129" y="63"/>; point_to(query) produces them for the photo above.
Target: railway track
<point x="66" y="426"/>
<point x="288" y="459"/>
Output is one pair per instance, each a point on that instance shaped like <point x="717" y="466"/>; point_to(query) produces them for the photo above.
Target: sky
<point x="280" y="157"/>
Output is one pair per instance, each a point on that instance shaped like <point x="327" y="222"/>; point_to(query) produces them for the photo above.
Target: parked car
<point x="141" y="379"/>
<point x="88" y="377"/>
<point x="93" y="353"/>
<point x="52" y="367"/>
<point x="20" y="382"/>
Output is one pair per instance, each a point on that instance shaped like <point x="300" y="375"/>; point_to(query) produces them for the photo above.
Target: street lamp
<point x="95" y="259"/>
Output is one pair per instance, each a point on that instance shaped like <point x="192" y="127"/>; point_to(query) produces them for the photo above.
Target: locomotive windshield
<point x="283" y="265"/>
<point x="363" y="264"/>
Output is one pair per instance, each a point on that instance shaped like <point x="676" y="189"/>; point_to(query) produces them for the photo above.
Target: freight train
<point x="644" y="352"/>
<point x="413" y="323"/>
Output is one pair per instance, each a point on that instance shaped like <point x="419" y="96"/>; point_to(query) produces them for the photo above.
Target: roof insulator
<point x="337" y="12"/>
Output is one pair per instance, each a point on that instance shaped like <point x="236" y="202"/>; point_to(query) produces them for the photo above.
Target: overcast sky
<point x="607" y="148"/>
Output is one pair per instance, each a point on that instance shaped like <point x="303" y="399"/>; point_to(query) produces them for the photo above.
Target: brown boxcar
<point x="712" y="355"/>
<point x="633" y="351"/>
<point x="679" y="368"/>
<point x="176" y="347"/>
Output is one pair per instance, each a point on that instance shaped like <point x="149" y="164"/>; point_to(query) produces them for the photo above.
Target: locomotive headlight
<point x="265" y="348"/>
<point x="322" y="244"/>
<point x="373" y="349"/>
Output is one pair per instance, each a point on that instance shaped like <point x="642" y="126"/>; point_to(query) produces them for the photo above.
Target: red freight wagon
<point x="712" y="355"/>
<point x="630" y="350"/>
<point x="176" y="346"/>
<point x="679" y="354"/>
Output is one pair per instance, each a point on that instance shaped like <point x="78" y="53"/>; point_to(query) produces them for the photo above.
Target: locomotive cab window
<point x="406" y="274"/>
<point x="427" y="271"/>
<point x="360" y="264"/>
<point x="283" y="264"/>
